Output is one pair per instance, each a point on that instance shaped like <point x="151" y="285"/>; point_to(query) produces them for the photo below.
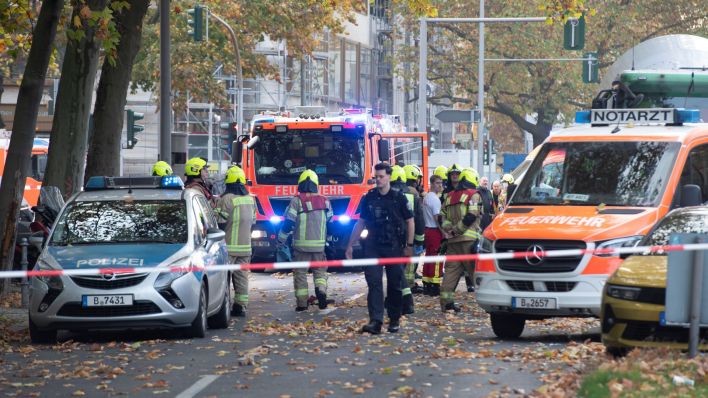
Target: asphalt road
<point x="276" y="352"/>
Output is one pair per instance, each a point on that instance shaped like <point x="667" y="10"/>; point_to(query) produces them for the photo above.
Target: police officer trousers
<point x="240" y="280"/>
<point x="319" y="274"/>
<point x="454" y="270"/>
<point x="394" y="283"/>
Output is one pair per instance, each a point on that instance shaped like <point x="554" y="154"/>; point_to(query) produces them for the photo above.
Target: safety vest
<point x="238" y="227"/>
<point x="412" y="195"/>
<point x="455" y="209"/>
<point x="310" y="213"/>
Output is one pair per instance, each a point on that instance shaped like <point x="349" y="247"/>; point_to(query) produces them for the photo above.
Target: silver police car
<point x="122" y="222"/>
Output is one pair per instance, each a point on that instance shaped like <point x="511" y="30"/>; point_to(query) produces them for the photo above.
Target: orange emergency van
<point x="600" y="184"/>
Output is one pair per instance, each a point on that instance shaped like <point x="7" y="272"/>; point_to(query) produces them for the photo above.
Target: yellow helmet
<point x="161" y="168"/>
<point x="454" y="169"/>
<point x="412" y="172"/>
<point x="235" y="174"/>
<point x="441" y="171"/>
<point x="508" y="178"/>
<point x="309" y="174"/>
<point x="398" y="174"/>
<point x="470" y="175"/>
<point x="194" y="166"/>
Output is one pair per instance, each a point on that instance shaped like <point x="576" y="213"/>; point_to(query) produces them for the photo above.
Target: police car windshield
<point x="680" y="223"/>
<point x="104" y="222"/>
<point x="592" y="173"/>
<point x="337" y="158"/>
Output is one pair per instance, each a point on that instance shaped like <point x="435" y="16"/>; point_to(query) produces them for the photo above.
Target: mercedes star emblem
<point x="534" y="255"/>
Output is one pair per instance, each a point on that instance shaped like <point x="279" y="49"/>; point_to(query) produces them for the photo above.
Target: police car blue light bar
<point x="105" y="182"/>
<point x="171" y="182"/>
<point x="639" y="116"/>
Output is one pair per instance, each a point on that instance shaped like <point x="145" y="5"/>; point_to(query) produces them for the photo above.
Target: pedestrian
<point x="161" y="169"/>
<point x="487" y="203"/>
<point x="237" y="212"/>
<point x="307" y="217"/>
<point x="441" y="171"/>
<point x="461" y="219"/>
<point x="388" y="216"/>
<point x="197" y="175"/>
<point x="413" y="175"/>
<point x="398" y="183"/>
<point x="496" y="193"/>
<point x="484" y="182"/>
<point x="432" y="272"/>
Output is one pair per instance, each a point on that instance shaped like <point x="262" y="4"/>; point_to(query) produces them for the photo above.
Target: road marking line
<point x="354" y="297"/>
<point x="197" y="387"/>
<point x="328" y="310"/>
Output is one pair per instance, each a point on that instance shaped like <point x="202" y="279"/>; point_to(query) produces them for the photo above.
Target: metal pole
<point x="239" y="70"/>
<point x="165" y="84"/>
<point x="423" y="75"/>
<point x="696" y="295"/>
<point x="302" y="83"/>
<point x="210" y="133"/>
<point x="487" y="20"/>
<point x="536" y="59"/>
<point x="480" y="96"/>
<point x="25" y="282"/>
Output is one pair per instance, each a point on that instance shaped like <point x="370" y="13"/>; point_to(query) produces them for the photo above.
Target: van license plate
<point x="533" y="303"/>
<point x="107" y="300"/>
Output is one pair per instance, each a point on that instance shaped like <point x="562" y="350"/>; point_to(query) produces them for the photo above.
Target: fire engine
<point x="342" y="149"/>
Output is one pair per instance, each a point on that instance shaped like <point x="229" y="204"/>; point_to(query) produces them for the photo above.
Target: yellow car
<point x="633" y="299"/>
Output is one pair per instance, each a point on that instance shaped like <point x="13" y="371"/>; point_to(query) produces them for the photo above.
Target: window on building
<point x="334" y="70"/>
<point x="350" y="75"/>
<point x="365" y="78"/>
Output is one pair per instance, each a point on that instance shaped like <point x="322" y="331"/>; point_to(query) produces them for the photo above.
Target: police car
<point x="129" y="222"/>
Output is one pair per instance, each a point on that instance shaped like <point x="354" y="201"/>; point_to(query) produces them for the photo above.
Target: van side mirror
<point x="691" y="195"/>
<point x="236" y="151"/>
<point x="384" y="151"/>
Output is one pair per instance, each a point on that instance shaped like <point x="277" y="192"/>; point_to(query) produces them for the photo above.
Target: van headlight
<point x="629" y="241"/>
<point x="486" y="245"/>
<point x="53" y="282"/>
<point x="623" y="292"/>
<point x="165" y="279"/>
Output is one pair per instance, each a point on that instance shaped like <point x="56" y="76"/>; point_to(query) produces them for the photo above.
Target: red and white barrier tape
<point x="358" y="262"/>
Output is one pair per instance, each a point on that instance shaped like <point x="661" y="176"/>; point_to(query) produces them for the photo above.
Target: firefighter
<point x="161" y="169"/>
<point x="398" y="183"/>
<point x="453" y="175"/>
<point x="461" y="219"/>
<point x="197" y="175"/>
<point x="307" y="217"/>
<point x="237" y="211"/>
<point x="413" y="174"/>
<point x="507" y="181"/>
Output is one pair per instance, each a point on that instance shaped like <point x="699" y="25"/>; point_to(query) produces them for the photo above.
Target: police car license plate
<point x="533" y="302"/>
<point x="107" y="300"/>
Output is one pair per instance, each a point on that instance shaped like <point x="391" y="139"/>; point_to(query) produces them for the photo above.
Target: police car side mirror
<point x="215" y="235"/>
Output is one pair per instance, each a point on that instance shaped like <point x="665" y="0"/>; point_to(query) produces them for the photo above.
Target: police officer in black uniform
<point x="388" y="217"/>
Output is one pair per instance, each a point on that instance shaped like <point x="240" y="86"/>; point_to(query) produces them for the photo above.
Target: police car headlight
<point x="629" y="241"/>
<point x="486" y="245"/>
<point x="53" y="282"/>
<point x="364" y="234"/>
<point x="258" y="233"/>
<point x="165" y="279"/>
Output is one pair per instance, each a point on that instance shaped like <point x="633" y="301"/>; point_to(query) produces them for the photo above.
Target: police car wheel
<point x="221" y="319"/>
<point x="199" y="325"/>
<point x="507" y="326"/>
<point x="38" y="336"/>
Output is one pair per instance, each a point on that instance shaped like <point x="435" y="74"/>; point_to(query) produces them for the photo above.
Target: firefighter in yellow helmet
<point x="236" y="210"/>
<point x="398" y="182"/>
<point x="307" y="217"/>
<point x="197" y="174"/>
<point x="161" y="169"/>
<point x="413" y="175"/>
<point x="507" y="181"/>
<point x="461" y="220"/>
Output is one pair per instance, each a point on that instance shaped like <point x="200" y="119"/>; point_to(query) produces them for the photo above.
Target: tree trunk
<point x="67" y="147"/>
<point x="2" y="90"/>
<point x="19" y="153"/>
<point x="104" y="144"/>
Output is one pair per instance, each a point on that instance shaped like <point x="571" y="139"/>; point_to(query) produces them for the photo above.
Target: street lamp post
<point x="239" y="70"/>
<point x="165" y="85"/>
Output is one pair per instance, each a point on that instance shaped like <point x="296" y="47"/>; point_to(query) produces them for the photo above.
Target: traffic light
<point x="230" y="131"/>
<point x="591" y="68"/>
<point x="574" y="34"/>
<point x="485" y="155"/>
<point x="196" y="21"/>
<point x="133" y="128"/>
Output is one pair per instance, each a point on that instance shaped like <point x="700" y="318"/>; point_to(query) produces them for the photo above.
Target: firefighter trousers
<point x="240" y="280"/>
<point x="319" y="274"/>
<point x="432" y="272"/>
<point x="454" y="270"/>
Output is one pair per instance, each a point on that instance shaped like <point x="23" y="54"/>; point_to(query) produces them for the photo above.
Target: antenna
<point x="691" y="86"/>
<point x="633" y="57"/>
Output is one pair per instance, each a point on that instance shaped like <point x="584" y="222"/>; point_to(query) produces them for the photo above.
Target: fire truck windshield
<point x="337" y="158"/>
